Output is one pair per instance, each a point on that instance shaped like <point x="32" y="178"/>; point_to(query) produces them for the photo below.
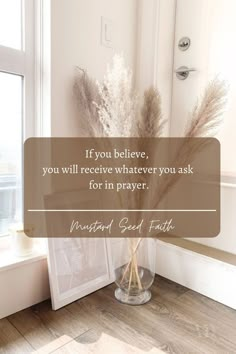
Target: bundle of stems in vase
<point x="112" y="109"/>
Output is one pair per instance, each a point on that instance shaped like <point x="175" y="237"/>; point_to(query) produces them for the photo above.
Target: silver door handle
<point x="183" y="72"/>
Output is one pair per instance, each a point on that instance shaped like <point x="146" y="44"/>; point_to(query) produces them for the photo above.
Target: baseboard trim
<point x="23" y="286"/>
<point x="210" y="275"/>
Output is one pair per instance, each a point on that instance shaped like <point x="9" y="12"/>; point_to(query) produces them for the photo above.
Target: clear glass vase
<point x="134" y="264"/>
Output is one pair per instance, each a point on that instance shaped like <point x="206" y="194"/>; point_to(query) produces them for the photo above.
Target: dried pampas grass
<point x="118" y="105"/>
<point x="86" y="94"/>
<point x="151" y="122"/>
<point x="206" y="116"/>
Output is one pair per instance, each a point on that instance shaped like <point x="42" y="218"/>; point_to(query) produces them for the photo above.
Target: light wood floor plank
<point x="211" y="332"/>
<point x="11" y="341"/>
<point x="30" y="325"/>
<point x="214" y="310"/>
<point x="60" y="322"/>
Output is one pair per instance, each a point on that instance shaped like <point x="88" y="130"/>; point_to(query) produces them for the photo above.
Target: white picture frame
<point x="77" y="266"/>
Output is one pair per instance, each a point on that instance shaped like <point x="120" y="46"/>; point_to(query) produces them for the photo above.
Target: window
<point x="10" y="149"/>
<point x="16" y="103"/>
<point x="11" y="23"/>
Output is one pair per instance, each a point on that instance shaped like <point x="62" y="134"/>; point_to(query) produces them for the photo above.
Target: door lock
<point x="183" y="72"/>
<point x="184" y="44"/>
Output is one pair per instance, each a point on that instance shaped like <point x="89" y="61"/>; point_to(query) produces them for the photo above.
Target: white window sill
<point x="9" y="261"/>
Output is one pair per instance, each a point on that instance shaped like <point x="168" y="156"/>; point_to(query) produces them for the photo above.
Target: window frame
<point x="22" y="62"/>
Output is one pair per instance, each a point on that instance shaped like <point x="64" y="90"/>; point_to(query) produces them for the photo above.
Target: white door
<point x="211" y="27"/>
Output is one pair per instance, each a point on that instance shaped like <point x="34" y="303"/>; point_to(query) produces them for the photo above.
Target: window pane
<point x="10" y="150"/>
<point x="10" y="23"/>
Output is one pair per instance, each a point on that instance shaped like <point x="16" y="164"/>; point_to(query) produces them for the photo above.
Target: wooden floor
<point x="177" y="320"/>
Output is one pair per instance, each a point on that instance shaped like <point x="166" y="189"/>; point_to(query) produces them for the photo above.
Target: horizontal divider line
<point x="119" y="210"/>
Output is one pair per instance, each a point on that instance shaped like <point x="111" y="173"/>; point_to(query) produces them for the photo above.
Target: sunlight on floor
<point x="105" y="344"/>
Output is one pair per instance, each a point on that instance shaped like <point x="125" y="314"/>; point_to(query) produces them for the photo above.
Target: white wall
<point x="76" y="41"/>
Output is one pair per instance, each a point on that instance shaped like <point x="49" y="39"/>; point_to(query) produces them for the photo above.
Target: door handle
<point x="183" y="72"/>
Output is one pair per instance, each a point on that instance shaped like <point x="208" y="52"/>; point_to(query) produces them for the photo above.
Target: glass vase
<point x="135" y="265"/>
